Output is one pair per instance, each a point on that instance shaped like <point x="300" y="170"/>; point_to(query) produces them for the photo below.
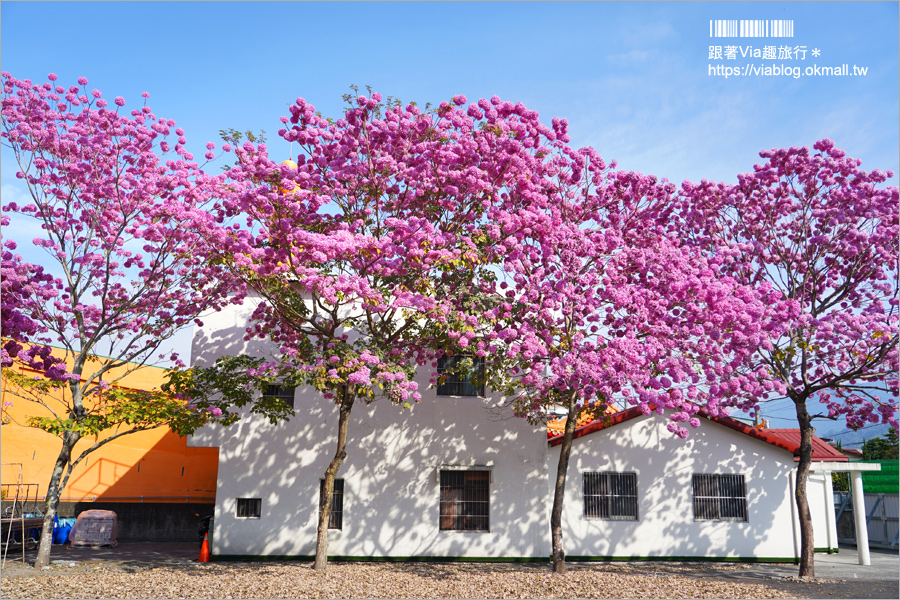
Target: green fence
<point x="884" y="481"/>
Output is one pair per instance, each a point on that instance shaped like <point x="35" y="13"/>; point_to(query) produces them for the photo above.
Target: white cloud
<point x="632" y="57"/>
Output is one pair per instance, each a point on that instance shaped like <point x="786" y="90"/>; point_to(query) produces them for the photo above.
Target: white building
<point x="456" y="476"/>
<point x="725" y="492"/>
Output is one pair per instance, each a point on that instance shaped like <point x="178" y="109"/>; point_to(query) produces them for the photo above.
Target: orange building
<point x="558" y="426"/>
<point x="145" y="466"/>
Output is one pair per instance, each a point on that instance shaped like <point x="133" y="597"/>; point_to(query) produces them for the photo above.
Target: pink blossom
<point x="86" y="189"/>
<point x="811" y="212"/>
<point x="360" y="376"/>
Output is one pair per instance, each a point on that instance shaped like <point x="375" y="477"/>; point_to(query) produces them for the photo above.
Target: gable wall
<point x="664" y="465"/>
<point x="391" y="493"/>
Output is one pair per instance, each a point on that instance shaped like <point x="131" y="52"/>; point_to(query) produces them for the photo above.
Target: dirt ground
<point x="127" y="579"/>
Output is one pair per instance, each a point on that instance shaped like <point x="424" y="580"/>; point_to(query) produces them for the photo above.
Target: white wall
<point x="664" y="465"/>
<point x="391" y="490"/>
<point x="820" y="496"/>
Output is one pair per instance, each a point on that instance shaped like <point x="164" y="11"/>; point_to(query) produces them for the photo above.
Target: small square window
<point x="465" y="501"/>
<point x="248" y="508"/>
<point x="455" y="380"/>
<point x="285" y="393"/>
<point x="611" y="496"/>
<point x="719" y="498"/>
<point x="336" y="518"/>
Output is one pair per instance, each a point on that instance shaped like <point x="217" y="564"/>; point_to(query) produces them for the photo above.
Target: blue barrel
<point x="61" y="531"/>
<point x="64" y="533"/>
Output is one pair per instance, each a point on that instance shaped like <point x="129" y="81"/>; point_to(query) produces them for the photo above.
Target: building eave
<point x="775" y="438"/>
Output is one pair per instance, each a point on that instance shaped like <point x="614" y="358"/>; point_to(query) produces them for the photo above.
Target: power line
<point x="860" y="429"/>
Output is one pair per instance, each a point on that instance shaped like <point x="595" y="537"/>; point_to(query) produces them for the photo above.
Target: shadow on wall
<point x="391" y="490"/>
<point x="667" y="526"/>
<point x="391" y="493"/>
<point x="409" y="476"/>
<point x="223" y="335"/>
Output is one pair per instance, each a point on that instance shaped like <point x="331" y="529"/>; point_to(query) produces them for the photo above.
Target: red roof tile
<point x="786" y="439"/>
<point x="820" y="449"/>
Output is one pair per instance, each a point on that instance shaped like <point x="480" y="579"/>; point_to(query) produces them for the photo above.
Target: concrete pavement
<point x="845" y="565"/>
<point x="134" y="552"/>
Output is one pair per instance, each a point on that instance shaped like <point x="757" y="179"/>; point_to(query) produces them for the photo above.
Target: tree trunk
<point x="559" y="491"/>
<point x="54" y="491"/>
<point x="807" y="543"/>
<point x="333" y="467"/>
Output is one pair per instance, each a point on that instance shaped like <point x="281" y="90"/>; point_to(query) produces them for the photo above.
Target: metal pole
<point x="12" y="516"/>
<point x="859" y="515"/>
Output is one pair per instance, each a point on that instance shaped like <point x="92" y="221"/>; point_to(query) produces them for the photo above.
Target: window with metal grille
<point x="465" y="500"/>
<point x="455" y="380"/>
<point x="285" y="393"/>
<point x="719" y="498"/>
<point x="336" y="518"/>
<point x="610" y="496"/>
<point x="248" y="508"/>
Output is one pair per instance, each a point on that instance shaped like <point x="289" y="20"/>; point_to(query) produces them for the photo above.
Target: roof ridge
<point x="775" y="437"/>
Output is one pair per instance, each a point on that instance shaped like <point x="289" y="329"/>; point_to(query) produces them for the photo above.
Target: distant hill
<point x="849" y="439"/>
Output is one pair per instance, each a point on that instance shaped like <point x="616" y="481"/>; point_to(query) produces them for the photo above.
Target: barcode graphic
<point x="752" y="28"/>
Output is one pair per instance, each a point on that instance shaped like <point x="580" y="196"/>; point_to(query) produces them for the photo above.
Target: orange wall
<point x="156" y="465"/>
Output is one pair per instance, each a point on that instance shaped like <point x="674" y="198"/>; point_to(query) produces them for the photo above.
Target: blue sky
<point x="633" y="79"/>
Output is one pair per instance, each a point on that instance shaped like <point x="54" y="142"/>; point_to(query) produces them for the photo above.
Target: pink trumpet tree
<point x="126" y="272"/>
<point x="599" y="304"/>
<point x="20" y="284"/>
<point x="814" y="226"/>
<point x="365" y="251"/>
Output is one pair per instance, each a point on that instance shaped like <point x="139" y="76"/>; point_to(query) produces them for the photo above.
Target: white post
<point x="830" y="518"/>
<point x="859" y="515"/>
<point x="795" y="520"/>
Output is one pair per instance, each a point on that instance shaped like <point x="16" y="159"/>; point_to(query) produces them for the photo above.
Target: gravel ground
<point x="380" y="580"/>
